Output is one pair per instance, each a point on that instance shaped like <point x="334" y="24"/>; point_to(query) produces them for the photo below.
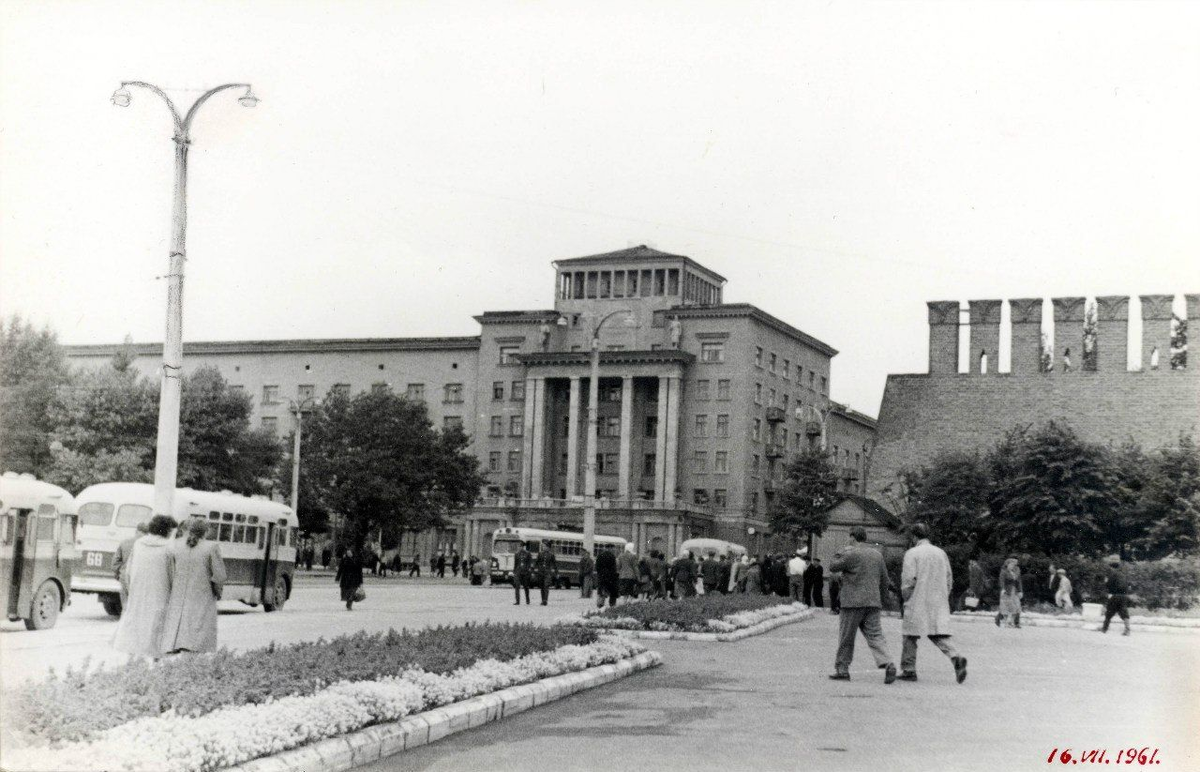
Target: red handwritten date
<point x="1142" y="757"/>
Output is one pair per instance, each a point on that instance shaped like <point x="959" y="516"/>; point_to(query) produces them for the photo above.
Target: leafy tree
<point x="809" y="491"/>
<point x="32" y="367"/>
<point x="126" y="355"/>
<point x="1125" y="526"/>
<point x="950" y="496"/>
<point x="1050" y="491"/>
<point x="1179" y="344"/>
<point x="1088" y="360"/>
<point x="377" y="460"/>
<point x="1171" y="499"/>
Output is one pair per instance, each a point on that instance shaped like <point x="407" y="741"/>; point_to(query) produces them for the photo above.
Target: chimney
<point x="1068" y="331"/>
<point x="1026" y="317"/>
<point x="943" y="336"/>
<point x="985" y="333"/>
<point x="1112" y="333"/>
<point x="1156" y="330"/>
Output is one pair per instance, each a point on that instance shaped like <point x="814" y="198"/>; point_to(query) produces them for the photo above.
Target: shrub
<point x="688" y="614"/>
<point x="78" y="703"/>
<point x="1165" y="584"/>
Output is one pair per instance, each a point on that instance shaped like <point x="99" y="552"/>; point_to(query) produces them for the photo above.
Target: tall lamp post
<point x="822" y="419"/>
<point x="167" y="451"/>
<point x="299" y="409"/>
<point x="589" y="463"/>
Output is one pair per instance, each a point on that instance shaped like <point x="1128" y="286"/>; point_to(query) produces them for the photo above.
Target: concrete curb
<point x="736" y="635"/>
<point x="382" y="740"/>
<point x="1081" y="624"/>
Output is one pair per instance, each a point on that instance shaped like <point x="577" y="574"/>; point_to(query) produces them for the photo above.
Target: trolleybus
<point x="566" y="545"/>
<point x="713" y="548"/>
<point x="257" y="539"/>
<point x="37" y="549"/>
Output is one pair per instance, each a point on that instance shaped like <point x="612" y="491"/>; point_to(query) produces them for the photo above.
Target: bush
<point x="688" y="614"/>
<point x="77" y="704"/>
<point x="1165" y="584"/>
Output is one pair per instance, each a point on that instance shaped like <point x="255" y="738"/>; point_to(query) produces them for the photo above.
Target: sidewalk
<point x="1077" y="621"/>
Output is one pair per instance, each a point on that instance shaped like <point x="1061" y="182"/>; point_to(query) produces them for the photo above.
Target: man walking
<point x="925" y="585"/>
<point x="415" y="568"/>
<point x="864" y="586"/>
<point x="587" y="574"/>
<point x="522" y="573"/>
<point x="1118" y="597"/>
<point x="606" y="577"/>
<point x="545" y="571"/>
<point x="627" y="572"/>
<point x="814" y="584"/>
<point x="795" y="573"/>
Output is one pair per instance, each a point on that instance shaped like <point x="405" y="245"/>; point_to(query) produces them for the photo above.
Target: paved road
<point x="84" y="631"/>
<point x="766" y="704"/>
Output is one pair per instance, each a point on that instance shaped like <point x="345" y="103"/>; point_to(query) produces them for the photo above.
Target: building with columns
<point x="701" y="403"/>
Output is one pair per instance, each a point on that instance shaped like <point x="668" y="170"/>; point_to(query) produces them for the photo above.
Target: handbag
<point x="970" y="601"/>
<point x="360" y="594"/>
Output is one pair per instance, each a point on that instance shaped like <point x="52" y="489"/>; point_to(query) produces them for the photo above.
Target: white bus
<point x="713" y="548"/>
<point x="566" y="545"/>
<point x="257" y="539"/>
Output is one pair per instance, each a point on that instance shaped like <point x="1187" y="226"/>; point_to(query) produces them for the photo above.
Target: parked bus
<point x="566" y="545"/>
<point x="37" y="549"/>
<point x="257" y="539"/>
<point x="712" y="548"/>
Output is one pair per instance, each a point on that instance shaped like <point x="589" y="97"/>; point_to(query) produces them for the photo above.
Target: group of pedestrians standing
<point x="530" y="570"/>
<point x="169" y="589"/>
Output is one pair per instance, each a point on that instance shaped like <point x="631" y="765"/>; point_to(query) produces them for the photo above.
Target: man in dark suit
<point x="606" y="577"/>
<point x="865" y="584"/>
<point x="814" y="584"/>
<point x="545" y="571"/>
<point x="522" y="573"/>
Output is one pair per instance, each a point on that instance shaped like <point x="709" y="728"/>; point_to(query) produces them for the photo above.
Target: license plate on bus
<point x="97" y="561"/>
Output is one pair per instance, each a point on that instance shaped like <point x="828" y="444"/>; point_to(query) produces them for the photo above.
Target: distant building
<point x="701" y="402"/>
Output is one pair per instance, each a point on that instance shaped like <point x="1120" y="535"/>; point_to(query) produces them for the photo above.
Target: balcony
<point x="775" y="450"/>
<point x="776" y="415"/>
<point x="849" y="473"/>
<point x="812" y="428"/>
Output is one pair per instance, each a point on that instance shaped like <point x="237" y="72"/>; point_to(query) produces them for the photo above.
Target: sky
<point x="412" y="164"/>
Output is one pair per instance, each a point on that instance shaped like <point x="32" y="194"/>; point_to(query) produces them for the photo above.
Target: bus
<point x="37" y="549"/>
<point x="566" y="545"/>
<point x="257" y="539"/>
<point x="713" y="548"/>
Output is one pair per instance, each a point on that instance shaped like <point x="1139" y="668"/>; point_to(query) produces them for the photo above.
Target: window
<point x="496" y="428"/>
<point x="723" y="425"/>
<point x="453" y="393"/>
<point x="415" y="392"/>
<point x="758" y="356"/>
<point x="648" y="464"/>
<point x="516" y="426"/>
<point x="721" y="497"/>
<point x="508" y="355"/>
<point x="785" y="403"/>
<point x="758" y="393"/>
<point x="701" y="425"/>
<point x="493" y="492"/>
<point x="514" y="460"/>
<point x="771" y="362"/>
<point x="756" y="430"/>
<point x="93" y="513"/>
<point x="824" y="385"/>
<point x="270" y="423"/>
<point x="610" y="393"/>
<point x="754" y="459"/>
<point x="651" y="426"/>
<point x="606" y="463"/>
<point x="237" y="389"/>
<point x="610" y="426"/>
<point x="270" y="395"/>
<point x="565" y="426"/>
<point x="702" y="390"/>
<point x="497" y="390"/>
<point x="771" y="398"/>
<point x="786" y="367"/>
<point x="700" y="496"/>
<point x="305" y="391"/>
<point x="129" y="515"/>
<point x="517" y="391"/>
<point x="721" y="461"/>
<point x="754" y="501"/>
<point x="452" y="422"/>
<point x="811" y="378"/>
<point x="700" y="461"/>
<point x="712" y="352"/>
<point x="378" y="388"/>
<point x="494" y="461"/>
<point x="341" y="390"/>
<point x="723" y="388"/>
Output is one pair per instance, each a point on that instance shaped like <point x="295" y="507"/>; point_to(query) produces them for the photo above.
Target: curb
<point x="736" y="635"/>
<point x="1079" y="624"/>
<point x="382" y="740"/>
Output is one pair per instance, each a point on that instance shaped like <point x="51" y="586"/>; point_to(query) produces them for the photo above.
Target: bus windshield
<point x="96" y="513"/>
<point x="131" y="514"/>
<point x="506" y="546"/>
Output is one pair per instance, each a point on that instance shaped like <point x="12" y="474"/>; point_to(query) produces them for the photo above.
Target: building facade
<point x="701" y="403"/>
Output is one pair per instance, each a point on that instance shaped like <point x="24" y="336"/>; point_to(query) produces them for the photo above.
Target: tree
<point x="32" y="367"/>
<point x="950" y="496"/>
<point x="376" y="460"/>
<point x="808" y="492"/>
<point x="1171" y="499"/>
<point x="1050" y="491"/>
<point x="1179" y="344"/>
<point x="1126" y="525"/>
<point x="1088" y="360"/>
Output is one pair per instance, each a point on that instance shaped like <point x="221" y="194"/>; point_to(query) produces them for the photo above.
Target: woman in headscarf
<point x="196" y="584"/>
<point x="349" y="577"/>
<point x="139" y="632"/>
<point x="1011" y="592"/>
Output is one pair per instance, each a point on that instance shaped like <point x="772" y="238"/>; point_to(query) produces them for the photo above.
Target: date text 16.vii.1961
<point x="1140" y="756"/>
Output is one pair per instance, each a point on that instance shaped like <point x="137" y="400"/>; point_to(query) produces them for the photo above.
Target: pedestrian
<point x="196" y="584"/>
<point x="121" y="561"/>
<point x="737" y="573"/>
<point x="455" y="562"/>
<point x="658" y="565"/>
<point x="752" y="578"/>
<point x="780" y="584"/>
<point x="545" y="571"/>
<point x="645" y="578"/>
<point x="441" y="565"/>
<point x="627" y="572"/>
<point x="382" y="566"/>
<point x="349" y="577"/>
<point x="725" y="576"/>
<point x="835" y="592"/>
<point x="710" y="572"/>
<point x="466" y="565"/>
<point x="479" y="569"/>
<point x="976" y="585"/>
<point x="522" y="573"/>
<point x="1118" y="596"/>
<point x="308" y="557"/>
<point x="607" y="579"/>
<point x="764" y="569"/>
<point x="415" y="568"/>
<point x="432" y="564"/>
<point x="795" y="574"/>
<point x="587" y="574"/>
<point x="1062" y="597"/>
<point x="139" y="631"/>
<point x="926" y="582"/>
<point x="814" y="584"/>
<point x="1011" y="592"/>
<point x="1054" y="580"/>
<point x="683" y="574"/>
<point x="865" y="584"/>
<point x="326" y="557"/>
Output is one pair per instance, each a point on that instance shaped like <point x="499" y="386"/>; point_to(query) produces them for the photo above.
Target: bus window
<point x="213" y="531"/>
<point x="504" y="547"/>
<point x="96" y="513"/>
<point x="239" y="518"/>
<point x="227" y="517"/>
<point x="239" y="534"/>
<point x="130" y="515"/>
<point x="261" y="537"/>
<point x="280" y="537"/>
<point x="226" y="532"/>
<point x="67" y="531"/>
<point x="6" y="528"/>
<point x="252" y="519"/>
<point x="214" y="515"/>
<point x="45" y="528"/>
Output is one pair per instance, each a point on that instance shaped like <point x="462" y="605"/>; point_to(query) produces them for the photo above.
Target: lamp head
<point x="121" y="97"/>
<point x="248" y="99"/>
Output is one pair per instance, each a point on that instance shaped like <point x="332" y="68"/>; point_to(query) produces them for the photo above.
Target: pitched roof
<point x="872" y="508"/>
<point x="640" y="253"/>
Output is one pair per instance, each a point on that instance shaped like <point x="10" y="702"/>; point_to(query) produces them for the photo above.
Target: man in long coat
<point x="522" y="573"/>
<point x="606" y="577"/>
<point x="545" y="571"/>
<point x="121" y="561"/>
<point x="865" y="584"/>
<point x="925" y="584"/>
<point x="191" y="619"/>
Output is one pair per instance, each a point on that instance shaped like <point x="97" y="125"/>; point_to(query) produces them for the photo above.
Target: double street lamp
<point x="166" y="460"/>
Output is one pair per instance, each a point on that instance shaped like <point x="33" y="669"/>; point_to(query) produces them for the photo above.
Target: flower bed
<point x="699" y="614"/>
<point x="252" y="724"/>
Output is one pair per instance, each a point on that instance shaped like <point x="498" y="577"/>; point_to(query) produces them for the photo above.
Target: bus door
<point x="17" y="583"/>
<point x="267" y="579"/>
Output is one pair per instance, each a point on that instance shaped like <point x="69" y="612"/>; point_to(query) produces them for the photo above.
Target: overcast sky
<point x="413" y="164"/>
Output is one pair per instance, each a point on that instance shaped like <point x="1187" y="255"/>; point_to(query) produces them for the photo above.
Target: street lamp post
<point x="822" y="415"/>
<point x="299" y="409"/>
<point x="589" y="463"/>
<point x="167" y="451"/>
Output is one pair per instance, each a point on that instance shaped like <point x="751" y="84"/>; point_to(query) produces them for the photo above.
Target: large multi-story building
<point x="700" y="402"/>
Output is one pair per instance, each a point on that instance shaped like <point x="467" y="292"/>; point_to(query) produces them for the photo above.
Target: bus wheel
<point x="112" y="604"/>
<point x="280" y="595"/>
<point x="46" y="605"/>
